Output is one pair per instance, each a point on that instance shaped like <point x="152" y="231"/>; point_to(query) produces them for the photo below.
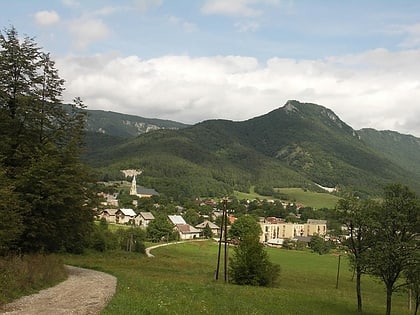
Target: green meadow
<point x="180" y="280"/>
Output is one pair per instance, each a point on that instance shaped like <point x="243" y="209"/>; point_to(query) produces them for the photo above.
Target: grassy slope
<point x="179" y="280"/>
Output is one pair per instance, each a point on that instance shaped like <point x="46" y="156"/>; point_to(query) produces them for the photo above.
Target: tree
<point x="319" y="245"/>
<point x="160" y="228"/>
<point x="356" y="215"/>
<point x="11" y="213"/>
<point x="250" y="264"/>
<point x="395" y="230"/>
<point x="207" y="232"/>
<point x="41" y="141"/>
<point x="243" y="226"/>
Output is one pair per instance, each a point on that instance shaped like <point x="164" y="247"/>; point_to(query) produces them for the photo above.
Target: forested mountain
<point x="125" y="126"/>
<point x="299" y="144"/>
<point x="401" y="149"/>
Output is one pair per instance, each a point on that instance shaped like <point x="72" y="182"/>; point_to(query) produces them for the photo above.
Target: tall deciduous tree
<point x="40" y="140"/>
<point x="356" y="215"/>
<point x="395" y="232"/>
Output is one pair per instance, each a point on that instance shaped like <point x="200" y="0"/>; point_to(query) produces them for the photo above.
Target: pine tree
<point x="40" y="141"/>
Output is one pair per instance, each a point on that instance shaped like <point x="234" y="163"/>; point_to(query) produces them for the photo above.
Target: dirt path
<point x="84" y="292"/>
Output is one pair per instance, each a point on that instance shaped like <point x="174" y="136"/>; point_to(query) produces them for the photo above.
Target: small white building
<point x="109" y="215"/>
<point x="143" y="219"/>
<point x="214" y="228"/>
<point x="124" y="215"/>
<point x="186" y="231"/>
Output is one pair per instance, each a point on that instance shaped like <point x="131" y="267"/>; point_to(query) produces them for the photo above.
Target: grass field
<point x="180" y="280"/>
<point x="310" y="198"/>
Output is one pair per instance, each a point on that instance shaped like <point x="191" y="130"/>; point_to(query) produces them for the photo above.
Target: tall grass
<point x="22" y="275"/>
<point x="180" y="280"/>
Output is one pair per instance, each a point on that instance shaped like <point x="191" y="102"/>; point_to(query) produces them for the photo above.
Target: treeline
<point x="46" y="197"/>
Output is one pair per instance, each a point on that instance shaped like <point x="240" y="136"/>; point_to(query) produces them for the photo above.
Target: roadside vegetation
<point x="24" y="275"/>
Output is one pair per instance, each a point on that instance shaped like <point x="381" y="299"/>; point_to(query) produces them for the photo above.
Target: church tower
<point x="133" y="189"/>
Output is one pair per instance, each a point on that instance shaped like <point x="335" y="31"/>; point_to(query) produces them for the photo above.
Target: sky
<point x="194" y="60"/>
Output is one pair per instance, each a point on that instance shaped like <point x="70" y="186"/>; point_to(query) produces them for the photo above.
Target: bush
<point x="319" y="245"/>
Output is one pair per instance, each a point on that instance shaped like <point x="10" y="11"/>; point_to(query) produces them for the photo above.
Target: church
<point x="141" y="191"/>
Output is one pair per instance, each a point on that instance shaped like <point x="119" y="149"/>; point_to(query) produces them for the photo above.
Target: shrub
<point x="250" y="265"/>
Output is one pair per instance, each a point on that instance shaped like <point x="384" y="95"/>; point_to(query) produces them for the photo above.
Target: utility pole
<point x="223" y="238"/>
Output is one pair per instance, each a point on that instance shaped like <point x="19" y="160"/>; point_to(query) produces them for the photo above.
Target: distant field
<point x="180" y="280"/>
<point x="310" y="198"/>
<point x="307" y="198"/>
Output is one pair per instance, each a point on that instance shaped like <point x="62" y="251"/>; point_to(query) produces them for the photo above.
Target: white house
<point x="143" y="219"/>
<point x="186" y="231"/>
<point x="214" y="228"/>
<point x="124" y="215"/>
<point x="176" y="219"/>
<point x="109" y="215"/>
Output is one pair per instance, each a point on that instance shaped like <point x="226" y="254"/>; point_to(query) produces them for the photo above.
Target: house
<point x="141" y="191"/>
<point x="176" y="219"/>
<point x="124" y="216"/>
<point x="143" y="219"/>
<point x="186" y="231"/>
<point x="109" y="215"/>
<point x="214" y="228"/>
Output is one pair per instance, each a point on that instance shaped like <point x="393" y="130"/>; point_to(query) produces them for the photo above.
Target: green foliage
<point x="250" y="264"/>
<point x="207" y="232"/>
<point x="11" y="213"/>
<point x="129" y="239"/>
<point x="319" y="245"/>
<point x="41" y="139"/>
<point x="160" y="229"/>
<point x="245" y="226"/>
<point x="192" y="217"/>
<point x="394" y="235"/>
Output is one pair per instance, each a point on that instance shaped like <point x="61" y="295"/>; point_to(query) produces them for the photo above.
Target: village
<point x="274" y="230"/>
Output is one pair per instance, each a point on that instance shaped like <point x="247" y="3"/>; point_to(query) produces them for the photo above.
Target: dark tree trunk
<point x="388" y="300"/>
<point x="358" y="289"/>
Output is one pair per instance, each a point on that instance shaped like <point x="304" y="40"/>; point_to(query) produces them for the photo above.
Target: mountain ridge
<point x="298" y="144"/>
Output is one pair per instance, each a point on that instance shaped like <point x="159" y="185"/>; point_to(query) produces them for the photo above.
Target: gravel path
<point x="84" y="292"/>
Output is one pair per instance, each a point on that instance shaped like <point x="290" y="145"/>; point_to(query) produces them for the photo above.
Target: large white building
<point x="274" y="230"/>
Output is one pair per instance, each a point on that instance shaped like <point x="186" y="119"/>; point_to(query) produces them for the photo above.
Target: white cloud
<point x="146" y="5"/>
<point x="241" y="8"/>
<point x="412" y="36"/>
<point x="246" y="27"/>
<point x="85" y="31"/>
<point x="231" y="8"/>
<point x="376" y="89"/>
<point x="70" y="3"/>
<point x="185" y="25"/>
<point x="46" y="18"/>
